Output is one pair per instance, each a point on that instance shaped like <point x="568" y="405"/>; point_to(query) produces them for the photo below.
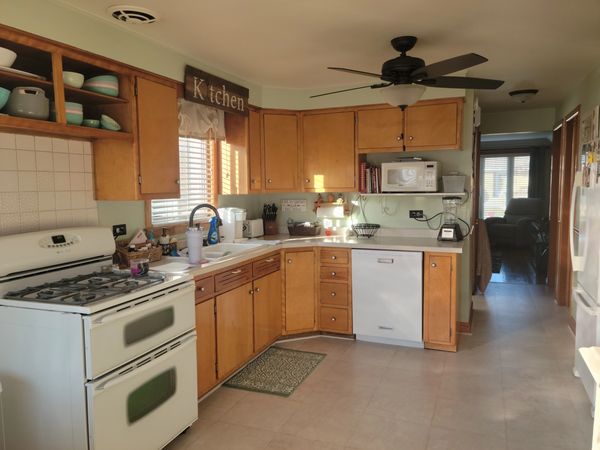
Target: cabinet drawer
<point x="205" y="288"/>
<point x="335" y="256"/>
<point x="333" y="294"/>
<point x="334" y="319"/>
<point x="266" y="265"/>
<point x="232" y="278"/>
<point x="334" y="273"/>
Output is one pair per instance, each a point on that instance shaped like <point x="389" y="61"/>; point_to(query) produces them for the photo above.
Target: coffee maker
<point x="233" y="224"/>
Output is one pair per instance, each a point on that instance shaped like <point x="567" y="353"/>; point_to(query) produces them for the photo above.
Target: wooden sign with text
<point x="207" y="89"/>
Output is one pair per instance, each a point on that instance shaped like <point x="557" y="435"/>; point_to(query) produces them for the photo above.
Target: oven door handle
<point x="121" y="377"/>
<point x="140" y="306"/>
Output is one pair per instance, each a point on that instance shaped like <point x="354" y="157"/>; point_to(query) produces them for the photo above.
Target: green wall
<point x="518" y="120"/>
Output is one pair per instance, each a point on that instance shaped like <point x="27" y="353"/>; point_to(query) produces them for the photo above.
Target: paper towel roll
<point x="194" y="243"/>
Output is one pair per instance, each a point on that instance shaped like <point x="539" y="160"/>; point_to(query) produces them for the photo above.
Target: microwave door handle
<point x="121" y="377"/>
<point x="140" y="307"/>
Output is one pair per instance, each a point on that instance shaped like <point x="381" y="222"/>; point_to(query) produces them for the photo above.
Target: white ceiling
<point x="545" y="44"/>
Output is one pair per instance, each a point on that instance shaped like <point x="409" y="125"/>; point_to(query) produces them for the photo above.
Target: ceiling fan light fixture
<point x="523" y="95"/>
<point x="402" y="95"/>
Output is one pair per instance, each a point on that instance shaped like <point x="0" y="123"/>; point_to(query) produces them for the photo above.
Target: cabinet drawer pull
<point x="269" y="180"/>
<point x="333" y="274"/>
<point x="257" y="289"/>
<point x="289" y="261"/>
<point x="307" y="180"/>
<point x="235" y="272"/>
<point x="201" y="289"/>
<point x="333" y="319"/>
<point x="270" y="260"/>
<point x="410" y="138"/>
<point x="334" y="257"/>
<point x="433" y="265"/>
<point x="333" y="294"/>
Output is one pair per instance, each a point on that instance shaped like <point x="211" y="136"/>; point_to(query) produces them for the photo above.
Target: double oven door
<point x="141" y="370"/>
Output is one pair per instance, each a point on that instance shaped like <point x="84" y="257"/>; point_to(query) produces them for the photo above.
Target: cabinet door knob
<point x="177" y="181"/>
<point x="398" y="138"/>
<point x="334" y="257"/>
<point x="269" y="180"/>
<point x="410" y="138"/>
<point x="333" y="274"/>
<point x="333" y="319"/>
<point x="333" y="294"/>
<point x="250" y="292"/>
<point x="257" y="289"/>
<point x="433" y="265"/>
<point x="307" y="180"/>
<point x="289" y="261"/>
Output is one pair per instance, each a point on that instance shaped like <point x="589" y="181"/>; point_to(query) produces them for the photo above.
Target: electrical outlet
<point x="415" y="213"/>
<point x="119" y="230"/>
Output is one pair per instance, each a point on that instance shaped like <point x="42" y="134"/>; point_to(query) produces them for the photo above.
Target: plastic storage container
<point x="454" y="183"/>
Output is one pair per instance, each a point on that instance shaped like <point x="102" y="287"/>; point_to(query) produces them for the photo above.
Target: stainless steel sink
<point x="217" y="252"/>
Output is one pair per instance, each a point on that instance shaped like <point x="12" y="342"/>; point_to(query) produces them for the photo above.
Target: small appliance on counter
<point x="233" y="224"/>
<point x="253" y="228"/>
<point x="450" y="229"/>
<point x="410" y="176"/>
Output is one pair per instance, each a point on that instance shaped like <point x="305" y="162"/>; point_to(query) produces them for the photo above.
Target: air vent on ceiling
<point x="132" y="14"/>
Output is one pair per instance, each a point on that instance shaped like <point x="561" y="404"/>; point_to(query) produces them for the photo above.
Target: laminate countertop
<point x="269" y="244"/>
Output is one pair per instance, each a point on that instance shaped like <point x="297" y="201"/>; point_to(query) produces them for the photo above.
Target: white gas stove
<point x="92" y="358"/>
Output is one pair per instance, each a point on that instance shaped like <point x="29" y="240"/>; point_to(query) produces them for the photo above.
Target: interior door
<point x="554" y="206"/>
<point x="158" y="138"/>
<point x="328" y="151"/>
<point x="475" y="192"/>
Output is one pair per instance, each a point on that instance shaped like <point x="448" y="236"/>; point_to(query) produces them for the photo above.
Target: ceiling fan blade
<point x="448" y="66"/>
<point x="372" y="86"/>
<point x="356" y="72"/>
<point x="461" y="83"/>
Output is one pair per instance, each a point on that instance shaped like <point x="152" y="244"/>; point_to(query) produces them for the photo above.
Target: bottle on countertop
<point x="164" y="242"/>
<point x="213" y="232"/>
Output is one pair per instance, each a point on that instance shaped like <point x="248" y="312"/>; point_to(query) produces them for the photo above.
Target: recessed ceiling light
<point x="523" y="95"/>
<point x="132" y="14"/>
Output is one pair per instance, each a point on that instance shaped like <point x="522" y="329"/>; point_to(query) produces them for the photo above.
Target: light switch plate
<point x="293" y="205"/>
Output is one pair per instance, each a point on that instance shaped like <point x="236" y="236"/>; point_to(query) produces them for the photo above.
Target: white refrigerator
<point x="585" y="257"/>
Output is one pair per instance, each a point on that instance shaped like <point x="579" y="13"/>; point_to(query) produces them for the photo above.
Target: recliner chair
<point x="513" y="229"/>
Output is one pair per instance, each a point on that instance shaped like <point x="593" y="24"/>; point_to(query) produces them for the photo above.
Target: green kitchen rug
<point x="277" y="371"/>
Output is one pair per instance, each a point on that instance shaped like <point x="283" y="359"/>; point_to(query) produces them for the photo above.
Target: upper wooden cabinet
<point x="254" y="152"/>
<point x="433" y="126"/>
<point x="233" y="156"/>
<point x="328" y="151"/>
<point x="427" y="125"/>
<point x="380" y="129"/>
<point x="280" y="151"/>
<point x="148" y="167"/>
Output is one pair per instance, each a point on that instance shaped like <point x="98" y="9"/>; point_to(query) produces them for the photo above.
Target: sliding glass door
<point x="502" y="177"/>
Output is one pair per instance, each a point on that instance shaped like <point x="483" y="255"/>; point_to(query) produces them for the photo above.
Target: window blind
<point x="503" y="178"/>
<point x="196" y="182"/>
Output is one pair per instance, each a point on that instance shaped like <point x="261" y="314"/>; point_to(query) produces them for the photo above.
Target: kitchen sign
<point x="207" y="89"/>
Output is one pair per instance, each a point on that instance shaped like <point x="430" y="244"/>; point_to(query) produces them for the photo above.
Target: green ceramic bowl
<point x="74" y="113"/>
<point x="109" y="123"/>
<point x="4" y="94"/>
<point x="103" y="84"/>
<point x="92" y="123"/>
<point x="73" y="79"/>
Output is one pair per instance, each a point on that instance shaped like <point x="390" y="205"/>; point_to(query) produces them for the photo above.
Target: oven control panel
<point x="59" y="241"/>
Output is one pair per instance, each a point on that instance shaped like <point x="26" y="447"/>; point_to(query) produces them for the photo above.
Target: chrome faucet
<point x="213" y="209"/>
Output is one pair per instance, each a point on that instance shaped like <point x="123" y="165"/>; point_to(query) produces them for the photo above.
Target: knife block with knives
<point x="270" y="219"/>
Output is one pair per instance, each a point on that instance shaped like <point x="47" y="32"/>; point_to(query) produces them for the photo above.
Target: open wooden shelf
<point x="10" y="80"/>
<point x="415" y="194"/>
<point x="90" y="98"/>
<point x="10" y="123"/>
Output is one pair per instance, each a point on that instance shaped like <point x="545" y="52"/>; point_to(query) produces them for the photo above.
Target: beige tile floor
<point x="509" y="387"/>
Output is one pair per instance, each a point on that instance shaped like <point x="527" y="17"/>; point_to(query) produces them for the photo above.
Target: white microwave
<point x="410" y="176"/>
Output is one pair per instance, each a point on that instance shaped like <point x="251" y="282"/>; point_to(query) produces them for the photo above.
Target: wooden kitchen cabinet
<point x="148" y="168"/>
<point x="300" y="291"/>
<point x="280" y="150"/>
<point x="335" y="290"/>
<point x="235" y="332"/>
<point x="233" y="156"/>
<point x="328" y="151"/>
<point x="434" y="125"/>
<point x="441" y="278"/>
<point x="267" y="310"/>
<point x="380" y="129"/>
<point x="206" y="350"/>
<point x="255" y="164"/>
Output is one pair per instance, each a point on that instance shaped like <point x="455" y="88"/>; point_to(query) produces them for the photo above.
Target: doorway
<point x="514" y="196"/>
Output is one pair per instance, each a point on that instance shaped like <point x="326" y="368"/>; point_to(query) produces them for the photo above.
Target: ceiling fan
<point x="406" y="77"/>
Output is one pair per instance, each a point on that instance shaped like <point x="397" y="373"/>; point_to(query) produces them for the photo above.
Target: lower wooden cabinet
<point x="441" y="275"/>
<point x="267" y="310"/>
<point x="206" y="351"/>
<point x="335" y="290"/>
<point x="234" y="329"/>
<point x="300" y="291"/>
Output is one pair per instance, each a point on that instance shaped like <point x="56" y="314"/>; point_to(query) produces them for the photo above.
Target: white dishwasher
<point x="387" y="296"/>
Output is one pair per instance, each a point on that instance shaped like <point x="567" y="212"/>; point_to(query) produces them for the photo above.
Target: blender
<point x="450" y="229"/>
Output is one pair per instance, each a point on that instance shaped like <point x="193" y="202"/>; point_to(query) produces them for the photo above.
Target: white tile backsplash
<point x="45" y="183"/>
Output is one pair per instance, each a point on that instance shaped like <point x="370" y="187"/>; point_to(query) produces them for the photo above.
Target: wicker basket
<point x="298" y="229"/>
<point x="153" y="254"/>
<point x="365" y="229"/>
